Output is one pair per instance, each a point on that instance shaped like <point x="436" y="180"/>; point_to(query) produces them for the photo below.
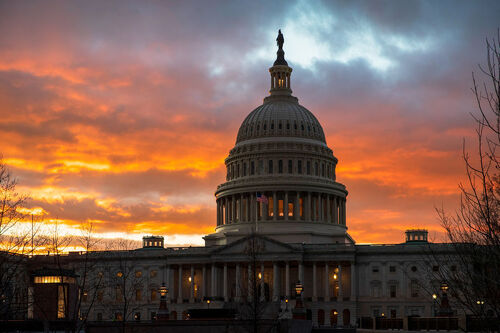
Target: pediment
<point x="255" y="244"/>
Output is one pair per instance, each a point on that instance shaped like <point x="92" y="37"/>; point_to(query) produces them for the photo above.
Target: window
<point x="435" y="268"/>
<point x="153" y="315"/>
<point x="414" y="288"/>
<point x="119" y="274"/>
<point x="100" y="295"/>
<point x="153" y="273"/>
<point x="290" y="166"/>
<point x="270" y="169"/>
<point x="414" y="268"/>
<point x="244" y="169"/>
<point x="99" y="316"/>
<point x="138" y="274"/>
<point x="322" y="170"/>
<point x="62" y="292"/>
<point x="118" y="294"/>
<point x="279" y="125"/>
<point x="392" y="269"/>
<point x="453" y="268"/>
<point x="85" y="295"/>
<point x="280" y="166"/>
<point x="118" y="316"/>
<point x="153" y="294"/>
<point x="375" y="269"/>
<point x="299" y="167"/>
<point x="138" y="295"/>
<point x="272" y="125"/>
<point x="137" y="316"/>
<point x="252" y="167"/>
<point x="261" y="167"/>
<point x="392" y="291"/>
<point x="308" y="167"/>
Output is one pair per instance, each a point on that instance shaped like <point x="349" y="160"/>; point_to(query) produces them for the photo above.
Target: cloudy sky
<point x="121" y="113"/>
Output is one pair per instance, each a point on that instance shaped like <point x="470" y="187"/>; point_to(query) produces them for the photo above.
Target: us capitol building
<point x="281" y="219"/>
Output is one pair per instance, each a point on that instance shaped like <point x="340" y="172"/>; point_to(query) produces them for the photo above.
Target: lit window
<point x="153" y="273"/>
<point x="61" y="301"/>
<point x="138" y="274"/>
<point x="138" y="295"/>
<point x="153" y="294"/>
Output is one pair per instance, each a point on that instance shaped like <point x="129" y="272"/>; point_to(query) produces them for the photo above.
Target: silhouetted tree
<point x="472" y="269"/>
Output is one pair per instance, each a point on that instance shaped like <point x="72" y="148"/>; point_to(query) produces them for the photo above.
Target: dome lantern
<point x="280" y="72"/>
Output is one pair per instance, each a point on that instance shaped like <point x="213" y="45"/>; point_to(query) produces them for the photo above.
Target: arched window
<point x="333" y="317"/>
<point x="321" y="317"/>
<point x="346" y="314"/>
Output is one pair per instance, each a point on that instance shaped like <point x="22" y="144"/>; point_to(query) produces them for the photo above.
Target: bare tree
<point x="471" y="271"/>
<point x="257" y="306"/>
<point x="16" y="242"/>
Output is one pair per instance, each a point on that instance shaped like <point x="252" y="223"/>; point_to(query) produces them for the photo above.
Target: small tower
<point x="152" y="242"/>
<point x="416" y="235"/>
<point x="280" y="72"/>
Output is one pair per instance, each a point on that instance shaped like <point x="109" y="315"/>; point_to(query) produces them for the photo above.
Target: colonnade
<point x="274" y="281"/>
<point x="281" y="205"/>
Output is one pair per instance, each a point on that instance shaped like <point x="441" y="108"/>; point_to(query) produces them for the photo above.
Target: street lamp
<point x="434" y="301"/>
<point x="163" y="310"/>
<point x="208" y="303"/>
<point x="299" y="311"/>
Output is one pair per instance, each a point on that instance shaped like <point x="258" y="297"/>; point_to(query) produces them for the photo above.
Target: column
<point x="250" y="281"/>
<point x="262" y="289"/>
<point x="313" y="207"/>
<point x="167" y="273"/>
<point x="301" y="272"/>
<point x="287" y="280"/>
<point x="341" y="294"/>
<point x="204" y="282"/>
<point x="327" y="284"/>
<point x="275" y="206"/>
<point x="314" y="292"/>
<point x="328" y="210"/>
<point x="238" y="283"/>
<point x="212" y="287"/>
<point x="320" y="207"/>
<point x="343" y="212"/>
<point x="218" y="213"/>
<point x="191" y="293"/>
<point x="233" y="209"/>
<point x="276" y="288"/>
<point x="226" y="297"/>
<point x="179" y="295"/>
<point x="226" y="210"/>
<point x="248" y="210"/>
<point x="296" y="207"/>
<point x="241" y="209"/>
<point x="335" y="211"/>
<point x="253" y="208"/>
<point x="307" y="207"/>
<point x="285" y="206"/>
<point x="353" y="281"/>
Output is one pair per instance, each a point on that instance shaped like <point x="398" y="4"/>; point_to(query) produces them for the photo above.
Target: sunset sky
<point x="121" y="113"/>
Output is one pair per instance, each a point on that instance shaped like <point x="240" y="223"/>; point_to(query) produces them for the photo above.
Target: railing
<point x="432" y="323"/>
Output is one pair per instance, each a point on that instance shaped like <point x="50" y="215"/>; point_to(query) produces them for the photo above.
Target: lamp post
<point x="434" y="301"/>
<point x="163" y="310"/>
<point x="299" y="312"/>
<point x="208" y="303"/>
<point x="445" y="309"/>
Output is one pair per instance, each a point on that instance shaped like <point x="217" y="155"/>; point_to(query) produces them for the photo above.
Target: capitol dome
<point x="280" y="179"/>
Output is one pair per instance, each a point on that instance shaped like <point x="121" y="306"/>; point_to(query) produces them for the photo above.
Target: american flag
<point x="261" y="198"/>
